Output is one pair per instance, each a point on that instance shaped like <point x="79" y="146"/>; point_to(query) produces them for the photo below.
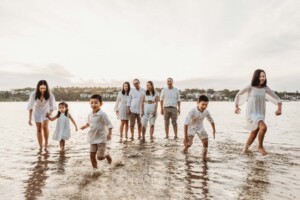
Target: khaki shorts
<point x="203" y="135"/>
<point x="99" y="148"/>
<point x="133" y="117"/>
<point x="170" y="112"/>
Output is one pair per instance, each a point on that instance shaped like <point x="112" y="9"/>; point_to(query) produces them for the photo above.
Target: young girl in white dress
<point x="121" y="109"/>
<point x="62" y="131"/>
<point x="41" y="103"/>
<point x="256" y="95"/>
<point x="149" y="109"/>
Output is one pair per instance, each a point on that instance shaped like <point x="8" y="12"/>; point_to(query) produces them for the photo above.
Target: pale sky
<point x="203" y="44"/>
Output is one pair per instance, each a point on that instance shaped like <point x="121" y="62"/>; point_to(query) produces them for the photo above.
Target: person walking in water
<point x="256" y="95"/>
<point x="41" y="104"/>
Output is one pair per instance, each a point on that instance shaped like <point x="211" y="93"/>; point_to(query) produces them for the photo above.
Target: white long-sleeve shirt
<point x="134" y="100"/>
<point x="194" y="120"/>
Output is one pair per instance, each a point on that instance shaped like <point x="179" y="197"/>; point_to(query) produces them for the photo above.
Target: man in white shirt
<point x="170" y="106"/>
<point x="134" y="107"/>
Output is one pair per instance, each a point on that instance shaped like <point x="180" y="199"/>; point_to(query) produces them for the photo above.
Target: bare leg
<point x="126" y="129"/>
<point x="39" y="133"/>
<point x="151" y="132"/>
<point x="93" y="159"/>
<point x="204" y="151"/>
<point x="140" y="130"/>
<point x="132" y="132"/>
<point x="121" y="130"/>
<point x="261" y="135"/>
<point x="62" y="145"/>
<point x="175" y="132"/>
<point x="167" y="131"/>
<point x="250" y="140"/>
<point x="144" y="133"/>
<point x="46" y="132"/>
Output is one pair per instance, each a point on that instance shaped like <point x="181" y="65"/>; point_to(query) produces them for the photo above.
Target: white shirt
<point x="40" y="108"/>
<point x="99" y="125"/>
<point x="195" y="120"/>
<point x="134" y="100"/>
<point x="170" y="97"/>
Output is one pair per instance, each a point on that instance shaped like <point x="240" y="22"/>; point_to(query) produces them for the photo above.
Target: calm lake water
<point x="153" y="170"/>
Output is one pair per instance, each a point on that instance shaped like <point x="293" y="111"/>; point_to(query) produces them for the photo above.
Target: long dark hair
<point x="123" y="91"/>
<point x="255" y="79"/>
<point x="152" y="91"/>
<point x="67" y="109"/>
<point x="37" y="90"/>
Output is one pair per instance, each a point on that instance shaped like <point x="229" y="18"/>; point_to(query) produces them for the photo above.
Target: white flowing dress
<point x="41" y="108"/>
<point x="256" y="107"/>
<point x="121" y="106"/>
<point x="62" y="130"/>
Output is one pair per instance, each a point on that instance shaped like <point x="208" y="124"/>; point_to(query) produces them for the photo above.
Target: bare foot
<point x="167" y="137"/>
<point x="109" y="159"/>
<point x="121" y="140"/>
<point x="131" y="138"/>
<point x="185" y="150"/>
<point x="262" y="151"/>
<point x="175" y="138"/>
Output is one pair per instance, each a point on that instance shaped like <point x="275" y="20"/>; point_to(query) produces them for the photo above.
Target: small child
<point x="194" y="125"/>
<point x="62" y="131"/>
<point x="97" y="135"/>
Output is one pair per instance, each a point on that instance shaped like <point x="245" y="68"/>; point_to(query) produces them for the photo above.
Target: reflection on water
<point x="196" y="180"/>
<point x="37" y="176"/>
<point x="256" y="182"/>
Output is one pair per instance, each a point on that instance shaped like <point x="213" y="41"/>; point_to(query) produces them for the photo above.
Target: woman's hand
<point x="278" y="112"/>
<point x="237" y="110"/>
<point x="29" y="122"/>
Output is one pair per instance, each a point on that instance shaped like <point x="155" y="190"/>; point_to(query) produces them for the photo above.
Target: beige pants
<point x="99" y="148"/>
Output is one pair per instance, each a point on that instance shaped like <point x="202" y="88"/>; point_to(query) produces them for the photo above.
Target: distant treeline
<point x="110" y="94"/>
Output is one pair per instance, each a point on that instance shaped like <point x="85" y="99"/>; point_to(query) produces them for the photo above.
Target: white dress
<point x="41" y="108"/>
<point x="256" y="107"/>
<point x="62" y="130"/>
<point x="121" y="106"/>
<point x="149" y="110"/>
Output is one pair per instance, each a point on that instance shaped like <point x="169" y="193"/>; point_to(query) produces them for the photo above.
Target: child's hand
<point x="237" y="110"/>
<point x="117" y="113"/>
<point x="76" y="129"/>
<point x="142" y="113"/>
<point x="109" y="137"/>
<point x="82" y="128"/>
<point x="278" y="112"/>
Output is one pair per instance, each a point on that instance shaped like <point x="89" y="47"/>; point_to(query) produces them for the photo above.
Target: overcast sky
<point x="203" y="44"/>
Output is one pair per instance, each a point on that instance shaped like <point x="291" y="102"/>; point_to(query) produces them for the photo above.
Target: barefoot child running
<point x="194" y="125"/>
<point x="100" y="131"/>
<point x="62" y="131"/>
<point x="256" y="95"/>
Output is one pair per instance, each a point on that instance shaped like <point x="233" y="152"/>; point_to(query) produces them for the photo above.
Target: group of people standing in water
<point x="140" y="106"/>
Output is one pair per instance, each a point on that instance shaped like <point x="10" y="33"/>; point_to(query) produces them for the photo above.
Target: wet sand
<point x="153" y="170"/>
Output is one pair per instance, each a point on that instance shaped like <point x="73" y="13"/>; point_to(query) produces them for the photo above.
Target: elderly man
<point x="170" y="106"/>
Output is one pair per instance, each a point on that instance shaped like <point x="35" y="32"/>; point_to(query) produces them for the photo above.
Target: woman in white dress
<point x="149" y="109"/>
<point x="41" y="104"/>
<point x="256" y="95"/>
<point x="121" y="109"/>
<point x="62" y="130"/>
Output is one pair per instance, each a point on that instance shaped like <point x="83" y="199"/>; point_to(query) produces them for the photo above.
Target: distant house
<point x="85" y="95"/>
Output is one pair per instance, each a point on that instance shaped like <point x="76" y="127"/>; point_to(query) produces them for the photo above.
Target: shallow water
<point x="153" y="170"/>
